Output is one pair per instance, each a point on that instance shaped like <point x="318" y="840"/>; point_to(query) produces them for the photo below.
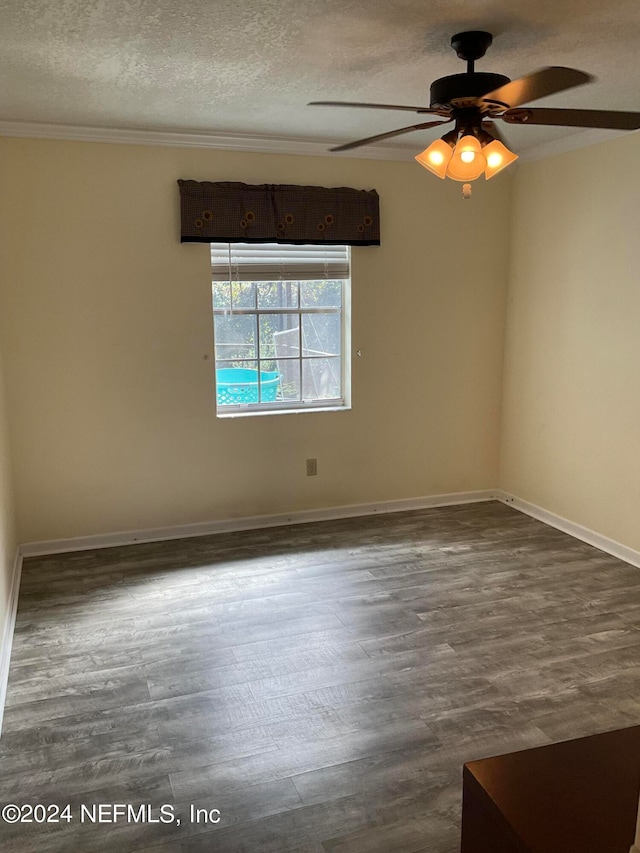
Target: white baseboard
<point x="182" y="531"/>
<point x="609" y="546"/>
<point x="7" y="634"/>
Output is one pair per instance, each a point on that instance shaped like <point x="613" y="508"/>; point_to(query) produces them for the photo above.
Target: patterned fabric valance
<point x="229" y="212"/>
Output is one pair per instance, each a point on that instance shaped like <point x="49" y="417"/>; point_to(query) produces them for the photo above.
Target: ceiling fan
<point x="475" y="101"/>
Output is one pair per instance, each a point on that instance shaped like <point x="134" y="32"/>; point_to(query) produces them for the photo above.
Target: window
<point x="280" y="316"/>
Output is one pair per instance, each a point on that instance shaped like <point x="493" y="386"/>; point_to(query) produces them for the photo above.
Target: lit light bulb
<point x="498" y="158"/>
<point x="468" y="161"/>
<point x="436" y="157"/>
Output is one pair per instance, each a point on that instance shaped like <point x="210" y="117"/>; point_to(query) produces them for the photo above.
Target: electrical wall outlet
<point x="312" y="467"/>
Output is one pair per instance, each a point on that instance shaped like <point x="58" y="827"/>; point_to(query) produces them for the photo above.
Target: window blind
<point x="276" y="262"/>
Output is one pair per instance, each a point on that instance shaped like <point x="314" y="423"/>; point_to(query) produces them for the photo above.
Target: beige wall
<point x="571" y="428"/>
<point x="108" y="321"/>
<point x="8" y="538"/>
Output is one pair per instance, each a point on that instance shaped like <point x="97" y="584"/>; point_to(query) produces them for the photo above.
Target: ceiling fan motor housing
<point x="460" y="88"/>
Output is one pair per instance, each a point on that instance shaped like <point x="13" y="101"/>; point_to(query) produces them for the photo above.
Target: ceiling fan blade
<point x="539" y="84"/>
<point x="372" y="106"/>
<point x="380" y="136"/>
<point x="492" y="128"/>
<point x="575" y="118"/>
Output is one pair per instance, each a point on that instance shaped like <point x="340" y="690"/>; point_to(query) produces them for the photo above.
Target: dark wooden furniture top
<point x="579" y="795"/>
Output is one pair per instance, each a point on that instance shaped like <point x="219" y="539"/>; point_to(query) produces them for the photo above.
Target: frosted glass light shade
<point x="436" y="157"/>
<point x="498" y="157"/>
<point x="468" y="161"/>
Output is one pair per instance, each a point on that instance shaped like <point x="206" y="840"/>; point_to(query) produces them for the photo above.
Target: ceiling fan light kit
<point x="475" y="101"/>
<point x="466" y="160"/>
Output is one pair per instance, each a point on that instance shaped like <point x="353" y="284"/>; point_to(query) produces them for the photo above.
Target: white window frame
<point x="259" y="263"/>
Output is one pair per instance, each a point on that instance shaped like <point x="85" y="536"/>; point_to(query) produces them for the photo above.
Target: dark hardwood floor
<point x="320" y="685"/>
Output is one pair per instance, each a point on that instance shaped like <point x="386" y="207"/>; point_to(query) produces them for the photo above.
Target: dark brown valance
<point x="229" y="212"/>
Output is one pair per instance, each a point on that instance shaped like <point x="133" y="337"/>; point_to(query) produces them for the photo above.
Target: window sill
<point x="265" y="412"/>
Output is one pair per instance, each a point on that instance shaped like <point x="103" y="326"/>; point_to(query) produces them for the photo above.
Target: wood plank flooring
<point x="321" y="685"/>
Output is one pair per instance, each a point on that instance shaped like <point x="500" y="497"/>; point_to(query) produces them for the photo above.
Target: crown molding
<point x="269" y="144"/>
<point x="582" y="139"/>
<point x="186" y="139"/>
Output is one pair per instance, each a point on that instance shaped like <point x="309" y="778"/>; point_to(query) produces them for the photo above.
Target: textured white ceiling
<point x="250" y="66"/>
